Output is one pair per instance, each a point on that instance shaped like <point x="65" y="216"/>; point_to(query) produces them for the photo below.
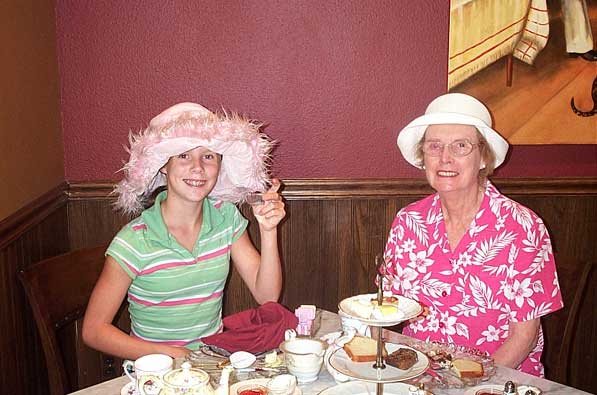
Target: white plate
<point x="521" y="389"/>
<point x="235" y="386"/>
<point x="407" y="309"/>
<point x="363" y="388"/>
<point x="365" y="371"/>
<point x="128" y="389"/>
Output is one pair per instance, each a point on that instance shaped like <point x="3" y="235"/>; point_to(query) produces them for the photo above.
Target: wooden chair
<point x="560" y="327"/>
<point x="58" y="290"/>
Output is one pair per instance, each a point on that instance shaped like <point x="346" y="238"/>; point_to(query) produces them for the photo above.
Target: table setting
<point x="313" y="363"/>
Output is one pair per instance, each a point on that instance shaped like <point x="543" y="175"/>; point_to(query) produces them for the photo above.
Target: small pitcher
<point x="304" y="357"/>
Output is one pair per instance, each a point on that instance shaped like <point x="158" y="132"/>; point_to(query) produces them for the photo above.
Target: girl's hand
<point x="271" y="212"/>
<point x="176" y="352"/>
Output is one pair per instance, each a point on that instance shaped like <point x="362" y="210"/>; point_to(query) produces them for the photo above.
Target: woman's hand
<point x="271" y="212"/>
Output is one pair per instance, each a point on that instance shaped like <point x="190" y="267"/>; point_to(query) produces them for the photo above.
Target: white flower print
<point x="500" y="222"/>
<point x="415" y="222"/>
<point x="409" y="246"/>
<point x="465" y="259"/>
<point x="489" y="248"/>
<point x="434" y="287"/>
<point x="492" y="334"/>
<point x="519" y="291"/>
<point x="538" y="286"/>
<point x="419" y="261"/>
<point x="432" y="324"/>
<point x="403" y="278"/>
<point x="447" y="324"/>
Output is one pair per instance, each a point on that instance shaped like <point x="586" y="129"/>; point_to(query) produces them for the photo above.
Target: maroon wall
<point x="334" y="81"/>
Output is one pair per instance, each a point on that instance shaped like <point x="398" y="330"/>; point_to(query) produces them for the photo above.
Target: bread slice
<point x="467" y="368"/>
<point x="363" y="349"/>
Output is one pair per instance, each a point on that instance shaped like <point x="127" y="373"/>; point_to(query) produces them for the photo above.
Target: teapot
<point x="185" y="381"/>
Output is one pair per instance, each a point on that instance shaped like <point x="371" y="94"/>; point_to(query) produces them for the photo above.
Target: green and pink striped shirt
<point x="176" y="294"/>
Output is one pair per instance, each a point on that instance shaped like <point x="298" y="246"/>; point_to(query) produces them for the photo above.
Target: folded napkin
<point x="255" y="330"/>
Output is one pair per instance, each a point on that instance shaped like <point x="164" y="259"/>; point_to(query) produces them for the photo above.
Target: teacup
<point x="304" y="358"/>
<point x="151" y="367"/>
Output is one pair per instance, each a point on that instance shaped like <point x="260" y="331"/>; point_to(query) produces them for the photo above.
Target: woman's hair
<point x="487" y="155"/>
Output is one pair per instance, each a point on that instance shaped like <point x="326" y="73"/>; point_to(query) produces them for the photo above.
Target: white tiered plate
<point x="363" y="388"/>
<point x="365" y="371"/>
<point x="407" y="309"/>
<point x="498" y="389"/>
<point x="234" y="387"/>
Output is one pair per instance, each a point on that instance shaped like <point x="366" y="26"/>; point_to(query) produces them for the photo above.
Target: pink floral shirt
<point x="502" y="270"/>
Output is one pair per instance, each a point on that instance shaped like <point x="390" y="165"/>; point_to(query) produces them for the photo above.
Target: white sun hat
<point x="244" y="148"/>
<point x="452" y="108"/>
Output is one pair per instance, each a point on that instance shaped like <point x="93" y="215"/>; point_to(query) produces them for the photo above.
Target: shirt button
<point x="444" y="294"/>
<point x="441" y="324"/>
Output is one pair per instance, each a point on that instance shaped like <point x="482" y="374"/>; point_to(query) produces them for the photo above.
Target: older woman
<point x="481" y="263"/>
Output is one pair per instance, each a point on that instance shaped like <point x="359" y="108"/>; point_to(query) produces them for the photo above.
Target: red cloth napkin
<point x="256" y="330"/>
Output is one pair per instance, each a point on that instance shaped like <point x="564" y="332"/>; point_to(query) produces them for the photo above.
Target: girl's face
<point x="192" y="175"/>
<point x="451" y="168"/>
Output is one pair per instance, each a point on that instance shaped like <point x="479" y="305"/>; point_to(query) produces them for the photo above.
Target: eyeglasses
<point x="461" y="147"/>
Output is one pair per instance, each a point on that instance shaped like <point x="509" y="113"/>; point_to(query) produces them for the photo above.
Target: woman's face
<point x="192" y="175"/>
<point x="446" y="168"/>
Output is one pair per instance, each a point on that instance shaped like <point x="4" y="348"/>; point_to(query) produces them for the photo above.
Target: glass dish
<point x="440" y="375"/>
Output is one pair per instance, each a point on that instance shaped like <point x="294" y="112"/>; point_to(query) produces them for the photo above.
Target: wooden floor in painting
<point x="536" y="108"/>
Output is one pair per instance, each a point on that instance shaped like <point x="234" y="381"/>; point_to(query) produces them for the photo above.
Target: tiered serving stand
<point x="379" y="372"/>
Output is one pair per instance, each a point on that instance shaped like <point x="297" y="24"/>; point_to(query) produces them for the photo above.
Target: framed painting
<point x="524" y="59"/>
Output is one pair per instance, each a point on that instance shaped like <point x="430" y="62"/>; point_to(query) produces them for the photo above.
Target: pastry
<point x="403" y="358"/>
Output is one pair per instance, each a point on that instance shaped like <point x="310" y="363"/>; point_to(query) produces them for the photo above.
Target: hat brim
<point x="411" y="135"/>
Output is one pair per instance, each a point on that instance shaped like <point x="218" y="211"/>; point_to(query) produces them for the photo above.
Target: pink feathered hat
<point x="245" y="154"/>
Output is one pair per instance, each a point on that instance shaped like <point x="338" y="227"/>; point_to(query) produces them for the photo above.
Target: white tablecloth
<point x="330" y="322"/>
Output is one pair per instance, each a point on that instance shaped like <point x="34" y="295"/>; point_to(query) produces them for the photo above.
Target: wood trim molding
<point x="325" y="189"/>
<point x="12" y="227"/>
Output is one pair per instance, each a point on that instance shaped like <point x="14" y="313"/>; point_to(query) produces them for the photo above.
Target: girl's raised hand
<point x="271" y="212"/>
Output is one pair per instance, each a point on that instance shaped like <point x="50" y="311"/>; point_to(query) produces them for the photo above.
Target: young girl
<point x="173" y="260"/>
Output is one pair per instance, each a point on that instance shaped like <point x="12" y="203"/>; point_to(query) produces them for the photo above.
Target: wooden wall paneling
<point x="362" y="260"/>
<point x="377" y="228"/>
<point x="303" y="272"/>
<point x="237" y="296"/>
<point x="93" y="222"/>
<point x="582" y="363"/>
<point x="329" y="265"/>
<point x="31" y="236"/>
<point x="344" y="249"/>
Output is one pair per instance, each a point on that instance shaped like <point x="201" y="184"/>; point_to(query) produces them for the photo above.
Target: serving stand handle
<point x="379" y="365"/>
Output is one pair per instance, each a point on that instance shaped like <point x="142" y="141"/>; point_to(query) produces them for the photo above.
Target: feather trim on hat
<point x="244" y="148"/>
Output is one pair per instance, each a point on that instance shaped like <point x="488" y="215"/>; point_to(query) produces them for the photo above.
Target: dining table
<point x="331" y="322"/>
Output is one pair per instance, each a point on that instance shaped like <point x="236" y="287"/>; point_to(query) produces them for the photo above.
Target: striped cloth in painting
<point x="176" y="295"/>
<point x="483" y="31"/>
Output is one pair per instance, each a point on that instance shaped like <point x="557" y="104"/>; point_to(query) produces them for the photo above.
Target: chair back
<point x="560" y="328"/>
<point x="58" y="290"/>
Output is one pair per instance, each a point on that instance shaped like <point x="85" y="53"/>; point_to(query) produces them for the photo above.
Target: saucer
<point x="234" y="387"/>
<point x="129" y="389"/>
<point x="498" y="389"/>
